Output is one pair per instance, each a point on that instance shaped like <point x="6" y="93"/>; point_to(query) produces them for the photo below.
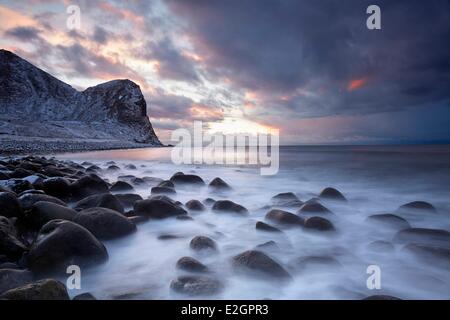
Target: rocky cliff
<point x="37" y="105"/>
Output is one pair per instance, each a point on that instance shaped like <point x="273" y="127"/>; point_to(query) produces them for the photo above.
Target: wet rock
<point x="266" y="227"/>
<point x="166" y="184"/>
<point x="381" y="297"/>
<point x="286" y="199"/>
<point x="267" y="245"/>
<point x="152" y="181"/>
<point x="389" y="220"/>
<point x="62" y="243"/>
<point x="185" y="218"/>
<point x="315" y="263"/>
<point x="417" y="206"/>
<point x="4" y="175"/>
<point x="128" y="199"/>
<point x="221" y="206"/>
<point x="93" y="168"/>
<point x="84" y="296"/>
<point x="158" y="208"/>
<point x="28" y="200"/>
<point x="163" y="190"/>
<point x="319" y="224"/>
<point x="57" y="187"/>
<point x="10" y="246"/>
<point x="138" y="182"/>
<point x="130" y="167"/>
<point x="187" y="179"/>
<point x="48" y="289"/>
<point x="195" y="205"/>
<point x="10" y="279"/>
<point x="191" y="265"/>
<point x="218" y="184"/>
<point x="52" y="171"/>
<point x="113" y="168"/>
<point x="138" y="219"/>
<point x="36" y="181"/>
<point x="105" y="200"/>
<point x="209" y="201"/>
<point x="258" y="263"/>
<point x="105" y="223"/>
<point x="42" y="212"/>
<point x="10" y="206"/>
<point x="332" y="193"/>
<point x="20" y="173"/>
<point x="314" y="208"/>
<point x="121" y="186"/>
<point x="16" y="185"/>
<point x="196" y="285"/>
<point x="87" y="186"/>
<point x="169" y="237"/>
<point x="423" y="236"/>
<point x="285" y="218"/>
<point x="200" y="243"/>
<point x="380" y="246"/>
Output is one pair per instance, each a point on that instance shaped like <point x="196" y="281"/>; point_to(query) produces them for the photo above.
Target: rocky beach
<point x="140" y="230"/>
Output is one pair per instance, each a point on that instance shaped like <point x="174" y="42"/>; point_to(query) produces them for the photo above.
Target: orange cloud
<point x="356" y="84"/>
<point x="203" y="112"/>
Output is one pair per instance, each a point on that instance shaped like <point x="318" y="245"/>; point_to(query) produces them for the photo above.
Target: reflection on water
<point x="374" y="179"/>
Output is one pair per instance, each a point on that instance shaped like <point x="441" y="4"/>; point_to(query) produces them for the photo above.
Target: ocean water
<point x="373" y="179"/>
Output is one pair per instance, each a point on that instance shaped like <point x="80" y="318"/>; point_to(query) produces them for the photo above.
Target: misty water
<point x="373" y="179"/>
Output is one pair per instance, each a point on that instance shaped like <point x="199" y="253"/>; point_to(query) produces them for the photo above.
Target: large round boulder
<point x="47" y="289"/>
<point x="16" y="185"/>
<point x="158" y="208"/>
<point x="87" y="186"/>
<point x="332" y="194"/>
<point x="104" y="200"/>
<point x="196" y="285"/>
<point x="224" y="206"/>
<point x="190" y="264"/>
<point x="187" y="179"/>
<point x="200" y="243"/>
<point x="318" y="224"/>
<point x="27" y="200"/>
<point x="43" y="211"/>
<point x="195" y="205"/>
<point x="266" y="227"/>
<point x="62" y="243"/>
<point x="57" y="186"/>
<point x="417" y="206"/>
<point x="128" y="199"/>
<point x="313" y="207"/>
<point x="217" y="184"/>
<point x="284" y="218"/>
<point x="10" y="206"/>
<point x="121" y="186"/>
<point x="105" y="223"/>
<point x="286" y="199"/>
<point x="257" y="263"/>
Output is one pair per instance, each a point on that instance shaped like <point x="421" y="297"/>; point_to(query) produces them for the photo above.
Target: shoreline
<point x="36" y="147"/>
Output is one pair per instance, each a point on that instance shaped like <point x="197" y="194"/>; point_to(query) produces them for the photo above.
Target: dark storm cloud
<point x="23" y="33"/>
<point x="319" y="47"/>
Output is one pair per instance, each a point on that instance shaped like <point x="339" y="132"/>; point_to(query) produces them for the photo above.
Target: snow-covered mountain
<point x="37" y="105"/>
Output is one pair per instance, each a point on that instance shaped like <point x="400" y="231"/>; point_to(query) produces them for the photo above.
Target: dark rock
<point x="113" y="168"/>
<point x="16" y="185"/>
<point x="417" y="206"/>
<point x="157" y="208"/>
<point x="121" y="186"/>
<point x="28" y="200"/>
<point x="62" y="243"/>
<point x="152" y="181"/>
<point x="10" y="206"/>
<point x="57" y="187"/>
<point x="219" y="185"/>
<point x="185" y="218"/>
<point x="105" y="223"/>
<point x="284" y="218"/>
<point x="163" y="190"/>
<point x="195" y="205"/>
<point x="390" y="220"/>
<point x="138" y="182"/>
<point x="138" y="219"/>
<point x="266" y="227"/>
<point x="282" y="199"/>
<point x="10" y="246"/>
<point x="47" y="289"/>
<point x="169" y="237"/>
<point x="93" y="168"/>
<point x="196" y="285"/>
<point x="84" y="296"/>
<point x="4" y="176"/>
<point x="319" y="224"/>
<point x="313" y="207"/>
<point x="87" y="186"/>
<point x="332" y="193"/>
<point x="381" y="297"/>
<point x="423" y="236"/>
<point x="199" y="243"/>
<point x="36" y="181"/>
<point x="128" y="199"/>
<point x="229" y="206"/>
<point x="166" y="184"/>
<point x="42" y="212"/>
<point x="130" y="167"/>
<point x="189" y="179"/>
<point x="10" y="265"/>
<point x="253" y="261"/>
<point x="267" y="245"/>
<point x="10" y="279"/>
<point x="105" y="200"/>
<point x="209" y="201"/>
<point x="191" y="265"/>
<point x="20" y="173"/>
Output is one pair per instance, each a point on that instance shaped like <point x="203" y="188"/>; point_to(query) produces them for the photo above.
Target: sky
<point x="311" y="69"/>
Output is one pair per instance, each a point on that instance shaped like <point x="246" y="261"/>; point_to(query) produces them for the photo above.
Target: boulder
<point x="62" y="243"/>
<point x="257" y="263"/>
<point x="10" y="246"/>
<point x="224" y="206"/>
<point x="314" y="208"/>
<point x="128" y="199"/>
<point x="10" y="279"/>
<point x="163" y="190"/>
<point x="10" y="206"/>
<point x="218" y="184"/>
<point x="158" y="208"/>
<point x="166" y="184"/>
<point x="285" y="218"/>
<point x="47" y="289"/>
<point x="209" y="201"/>
<point x="196" y="285"/>
<point x="104" y="200"/>
<point x="87" y="186"/>
<point x="191" y="265"/>
<point x="121" y="186"/>
<point x="43" y="211"/>
<point x="332" y="193"/>
<point x="389" y="220"/>
<point x="105" y="223"/>
<point x="16" y="185"/>
<point x="195" y="205"/>
<point x="200" y="243"/>
<point x="187" y="179"/>
<point x="57" y="187"/>
<point x="286" y="199"/>
<point x="130" y="166"/>
<point x="319" y="224"/>
<point x="29" y="199"/>
<point x="266" y="227"/>
<point x="417" y="206"/>
<point x="36" y="181"/>
<point x="84" y="296"/>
